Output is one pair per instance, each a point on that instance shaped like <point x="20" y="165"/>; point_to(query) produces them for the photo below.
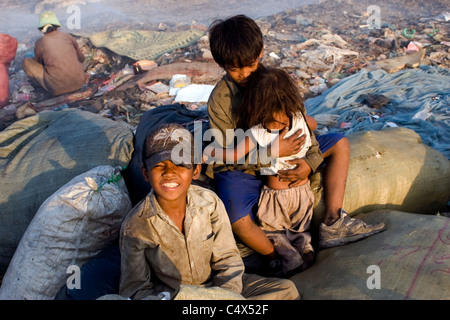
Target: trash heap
<point x="318" y="44"/>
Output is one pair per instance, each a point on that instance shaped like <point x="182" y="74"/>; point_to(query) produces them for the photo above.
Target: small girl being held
<point x="272" y="105"/>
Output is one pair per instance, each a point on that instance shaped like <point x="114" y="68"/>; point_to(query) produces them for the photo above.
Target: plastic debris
<point x="194" y="93"/>
<point x="414" y="46"/>
<point x="177" y="82"/>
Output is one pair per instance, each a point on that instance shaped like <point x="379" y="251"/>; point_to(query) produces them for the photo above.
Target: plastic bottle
<point x="177" y="82"/>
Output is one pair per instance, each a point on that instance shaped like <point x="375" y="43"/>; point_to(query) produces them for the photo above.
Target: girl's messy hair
<point x="269" y="91"/>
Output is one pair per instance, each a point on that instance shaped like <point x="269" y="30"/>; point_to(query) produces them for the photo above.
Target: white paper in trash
<point x="194" y="93"/>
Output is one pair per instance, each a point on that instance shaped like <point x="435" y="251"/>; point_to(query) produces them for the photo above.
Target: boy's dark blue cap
<point x="169" y="142"/>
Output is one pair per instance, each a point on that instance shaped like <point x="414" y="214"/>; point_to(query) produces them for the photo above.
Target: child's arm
<point x="304" y="166"/>
<point x="280" y="147"/>
<point x="312" y="123"/>
<point x="226" y="262"/>
<point x="135" y="278"/>
<point x="214" y="153"/>
<point x="135" y="272"/>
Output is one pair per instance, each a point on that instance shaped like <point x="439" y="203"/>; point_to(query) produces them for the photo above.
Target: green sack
<point x="408" y="260"/>
<point x="41" y="153"/>
<point x="390" y="169"/>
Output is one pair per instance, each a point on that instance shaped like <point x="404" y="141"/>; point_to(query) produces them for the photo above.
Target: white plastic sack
<point x="39" y="154"/>
<point x="70" y="227"/>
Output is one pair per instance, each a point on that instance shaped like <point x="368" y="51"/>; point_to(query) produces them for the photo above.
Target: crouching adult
<point x="57" y="65"/>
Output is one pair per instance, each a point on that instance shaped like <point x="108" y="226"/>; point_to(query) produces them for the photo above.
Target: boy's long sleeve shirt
<point x="225" y="98"/>
<point x="152" y="245"/>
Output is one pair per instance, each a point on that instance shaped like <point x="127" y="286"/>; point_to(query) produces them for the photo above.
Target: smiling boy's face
<point x="170" y="182"/>
<point x="168" y="164"/>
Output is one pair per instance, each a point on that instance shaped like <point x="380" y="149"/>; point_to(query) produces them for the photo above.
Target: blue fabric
<point x="239" y="192"/>
<point x="418" y="100"/>
<point x="99" y="276"/>
<point x="326" y="141"/>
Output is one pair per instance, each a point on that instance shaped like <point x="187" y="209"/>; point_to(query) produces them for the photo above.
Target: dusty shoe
<point x="346" y="230"/>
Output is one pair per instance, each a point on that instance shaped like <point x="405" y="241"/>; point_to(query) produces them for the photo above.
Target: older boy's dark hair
<point x="236" y="41"/>
<point x="269" y="90"/>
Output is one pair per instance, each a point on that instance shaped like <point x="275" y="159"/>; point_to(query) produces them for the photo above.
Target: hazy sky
<point x="18" y="17"/>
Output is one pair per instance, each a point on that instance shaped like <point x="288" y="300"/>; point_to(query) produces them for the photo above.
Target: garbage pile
<point x="318" y="44"/>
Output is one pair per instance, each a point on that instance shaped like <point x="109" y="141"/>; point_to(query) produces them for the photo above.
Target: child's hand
<point x="208" y="154"/>
<point x="298" y="175"/>
<point x="289" y="146"/>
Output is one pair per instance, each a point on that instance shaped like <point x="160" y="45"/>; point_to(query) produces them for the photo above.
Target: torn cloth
<point x="144" y="44"/>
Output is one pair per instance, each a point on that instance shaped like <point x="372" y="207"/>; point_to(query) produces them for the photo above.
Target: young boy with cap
<point x="180" y="233"/>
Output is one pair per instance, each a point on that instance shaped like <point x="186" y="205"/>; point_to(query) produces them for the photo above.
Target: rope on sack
<point x="113" y="179"/>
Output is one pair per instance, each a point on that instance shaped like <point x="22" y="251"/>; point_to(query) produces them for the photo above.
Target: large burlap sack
<point x="71" y="226"/>
<point x="390" y="169"/>
<point x="409" y="260"/>
<point x="41" y="153"/>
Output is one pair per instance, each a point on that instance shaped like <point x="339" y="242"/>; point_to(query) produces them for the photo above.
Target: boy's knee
<point x="344" y="142"/>
<point x="342" y="147"/>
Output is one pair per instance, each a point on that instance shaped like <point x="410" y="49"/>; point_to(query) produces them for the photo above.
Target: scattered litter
<point x="375" y="101"/>
<point x="345" y="125"/>
<point x="408" y="33"/>
<point x="177" y="82"/>
<point x="414" y="46"/>
<point x="144" y="65"/>
<point x="411" y="60"/>
<point x="157" y="87"/>
<point x="391" y="124"/>
<point x="274" y="55"/>
<point x="423" y="114"/>
<point x="21" y="97"/>
<point x="318" y="89"/>
<point x="194" y="93"/>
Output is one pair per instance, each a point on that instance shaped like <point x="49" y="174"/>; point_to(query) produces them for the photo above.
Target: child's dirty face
<point x="169" y="181"/>
<point x="281" y="121"/>
<point x="240" y="74"/>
